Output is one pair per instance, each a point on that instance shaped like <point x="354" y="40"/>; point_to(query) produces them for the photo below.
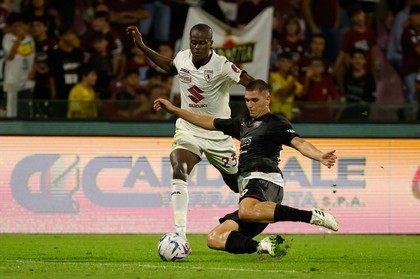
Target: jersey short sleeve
<point x="228" y="126"/>
<point x="281" y="131"/>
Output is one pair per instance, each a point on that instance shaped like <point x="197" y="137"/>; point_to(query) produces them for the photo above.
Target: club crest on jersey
<point x="208" y="75"/>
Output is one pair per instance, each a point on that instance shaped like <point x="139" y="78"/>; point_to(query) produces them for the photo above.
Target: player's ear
<point x="211" y="43"/>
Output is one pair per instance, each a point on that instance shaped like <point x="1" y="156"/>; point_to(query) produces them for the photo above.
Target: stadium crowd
<point x="331" y="60"/>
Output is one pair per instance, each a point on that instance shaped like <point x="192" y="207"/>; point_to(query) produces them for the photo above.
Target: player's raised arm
<point x="309" y="150"/>
<point x="202" y="121"/>
<point x="163" y="62"/>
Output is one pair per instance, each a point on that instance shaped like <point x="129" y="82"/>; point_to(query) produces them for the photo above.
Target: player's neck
<point x="204" y="61"/>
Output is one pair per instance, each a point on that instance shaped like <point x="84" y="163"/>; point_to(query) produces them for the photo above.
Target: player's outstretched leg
<point x="324" y="219"/>
<point x="270" y="245"/>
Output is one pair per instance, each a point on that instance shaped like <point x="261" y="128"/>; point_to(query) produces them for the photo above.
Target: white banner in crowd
<point x="248" y="48"/>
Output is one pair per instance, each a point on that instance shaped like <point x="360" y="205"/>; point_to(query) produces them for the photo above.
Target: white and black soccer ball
<point x="173" y="247"/>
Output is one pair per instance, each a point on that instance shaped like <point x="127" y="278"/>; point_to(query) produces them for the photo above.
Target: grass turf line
<point x="135" y="256"/>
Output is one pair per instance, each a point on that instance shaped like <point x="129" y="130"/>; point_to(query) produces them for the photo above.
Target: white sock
<point x="180" y="198"/>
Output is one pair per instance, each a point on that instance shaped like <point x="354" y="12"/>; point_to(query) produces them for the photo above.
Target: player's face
<point x="257" y="103"/>
<point x="200" y="45"/>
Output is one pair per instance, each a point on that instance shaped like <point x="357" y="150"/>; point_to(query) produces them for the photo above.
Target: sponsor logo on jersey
<point x="184" y="70"/>
<point x="208" y="75"/>
<point x="197" y="105"/>
<point x="184" y="77"/>
<point x="195" y="94"/>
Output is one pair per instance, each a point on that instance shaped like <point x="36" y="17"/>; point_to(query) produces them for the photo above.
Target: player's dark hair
<point x="257" y="84"/>
<point x="203" y="28"/>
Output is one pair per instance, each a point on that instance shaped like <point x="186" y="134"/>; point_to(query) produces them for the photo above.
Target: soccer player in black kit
<point x="260" y="180"/>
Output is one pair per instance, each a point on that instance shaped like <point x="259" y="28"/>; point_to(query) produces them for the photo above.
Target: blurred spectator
<point x="360" y="36"/>
<point x="138" y="61"/>
<point x="44" y="45"/>
<point x="418" y="90"/>
<point x="100" y="58"/>
<point x="165" y="49"/>
<point x="127" y="97"/>
<point x="5" y="10"/>
<point x="156" y="27"/>
<point x="64" y="63"/>
<point x="369" y="8"/>
<point x="249" y="9"/>
<point x="323" y="17"/>
<point x="319" y="90"/>
<point x="124" y="13"/>
<point x="129" y="83"/>
<point x="359" y="88"/>
<point x="2" y="62"/>
<point x="284" y="86"/>
<point x="101" y="23"/>
<point x="121" y="108"/>
<point x="155" y="77"/>
<point x="291" y="42"/>
<point x="83" y="102"/>
<point x="65" y="11"/>
<point x="148" y="113"/>
<point x="41" y="8"/>
<point x="394" y="49"/>
<point x="19" y="48"/>
<point x="315" y="50"/>
<point x="410" y="42"/>
<point x="214" y="7"/>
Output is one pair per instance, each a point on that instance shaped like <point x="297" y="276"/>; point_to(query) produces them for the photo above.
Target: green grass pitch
<point x="135" y="256"/>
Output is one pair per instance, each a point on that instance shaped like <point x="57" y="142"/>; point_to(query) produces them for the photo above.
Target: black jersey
<point x="261" y="140"/>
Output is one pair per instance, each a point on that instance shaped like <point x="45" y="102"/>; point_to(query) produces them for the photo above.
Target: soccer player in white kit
<point x="205" y="79"/>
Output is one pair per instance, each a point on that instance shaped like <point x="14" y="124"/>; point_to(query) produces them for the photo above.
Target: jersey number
<point x="231" y="161"/>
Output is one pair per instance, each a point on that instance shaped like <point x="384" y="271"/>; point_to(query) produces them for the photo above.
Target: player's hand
<point x="328" y="158"/>
<point x="135" y="34"/>
<point x="160" y="103"/>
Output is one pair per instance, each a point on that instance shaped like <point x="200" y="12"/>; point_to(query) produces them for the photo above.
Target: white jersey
<point x="17" y="70"/>
<point x="205" y="90"/>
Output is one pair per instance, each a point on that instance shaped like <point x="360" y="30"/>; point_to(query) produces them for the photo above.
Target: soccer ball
<point x="173" y="247"/>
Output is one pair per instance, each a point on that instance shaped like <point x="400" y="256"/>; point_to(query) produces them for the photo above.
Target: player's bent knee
<point x="214" y="241"/>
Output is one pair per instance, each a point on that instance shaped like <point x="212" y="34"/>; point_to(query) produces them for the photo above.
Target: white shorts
<point x="220" y="153"/>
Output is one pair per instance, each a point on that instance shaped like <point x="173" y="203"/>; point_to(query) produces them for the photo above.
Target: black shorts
<point x="259" y="189"/>
<point x="262" y="190"/>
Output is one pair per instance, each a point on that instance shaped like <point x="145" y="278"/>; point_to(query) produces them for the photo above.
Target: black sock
<point x="237" y="243"/>
<point x="285" y="213"/>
